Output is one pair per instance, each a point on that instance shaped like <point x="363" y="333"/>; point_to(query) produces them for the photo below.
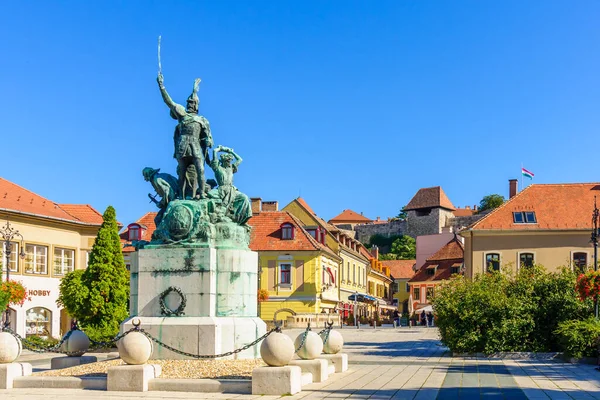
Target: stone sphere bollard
<point x="135" y="348"/>
<point x="277" y="350"/>
<point x="10" y="348"/>
<point x="334" y="343"/>
<point x="77" y="344"/>
<point x="313" y="346"/>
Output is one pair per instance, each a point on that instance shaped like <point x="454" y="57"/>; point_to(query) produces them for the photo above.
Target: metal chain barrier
<point x="208" y="356"/>
<point x="29" y="345"/>
<point x="304" y="338"/>
<point x="326" y="331"/>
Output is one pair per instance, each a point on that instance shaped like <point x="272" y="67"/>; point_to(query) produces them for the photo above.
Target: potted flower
<point x="588" y="285"/>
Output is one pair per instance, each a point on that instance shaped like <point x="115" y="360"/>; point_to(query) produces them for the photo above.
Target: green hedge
<point x="579" y="338"/>
<point x="500" y="312"/>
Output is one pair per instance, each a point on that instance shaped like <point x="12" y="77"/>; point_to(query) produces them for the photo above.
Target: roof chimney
<point x="513" y="187"/>
<point x="256" y="203"/>
<point x="270" y="206"/>
<point x="375" y="252"/>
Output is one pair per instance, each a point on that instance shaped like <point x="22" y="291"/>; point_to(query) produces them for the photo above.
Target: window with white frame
<point x="285" y="274"/>
<point x="13" y="262"/>
<point x="64" y="260"/>
<point x="579" y="262"/>
<point x="134" y="232"/>
<point x="526" y="260"/>
<point x="36" y="259"/>
<point x="492" y="262"/>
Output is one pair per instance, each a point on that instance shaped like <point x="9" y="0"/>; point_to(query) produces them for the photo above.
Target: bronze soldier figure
<point x="192" y="139"/>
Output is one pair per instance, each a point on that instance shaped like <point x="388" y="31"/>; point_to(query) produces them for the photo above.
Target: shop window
<point x="526" y="259"/>
<point x="64" y="261"/>
<point x="492" y="262"/>
<point x="580" y="262"/>
<point x="38" y="322"/>
<point x="285" y="274"/>
<point x="36" y="259"/>
<point x="14" y="256"/>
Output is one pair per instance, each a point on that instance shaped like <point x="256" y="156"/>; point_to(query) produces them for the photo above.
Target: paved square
<point x="403" y="363"/>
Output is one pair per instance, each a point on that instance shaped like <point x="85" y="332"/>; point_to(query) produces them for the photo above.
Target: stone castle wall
<point x="364" y="232"/>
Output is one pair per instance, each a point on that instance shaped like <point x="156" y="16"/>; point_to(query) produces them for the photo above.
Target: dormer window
<point x="134" y="232"/>
<point x="287" y="231"/>
<point x="524" y="217"/>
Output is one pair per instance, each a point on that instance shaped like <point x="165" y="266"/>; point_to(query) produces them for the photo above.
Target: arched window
<point x="579" y="262"/>
<point x="492" y="262"/>
<point x="38" y="322"/>
<point x="287" y="231"/>
<point x="134" y="232"/>
<point x="526" y="259"/>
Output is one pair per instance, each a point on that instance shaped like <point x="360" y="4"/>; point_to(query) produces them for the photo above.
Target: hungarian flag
<point x="526" y="173"/>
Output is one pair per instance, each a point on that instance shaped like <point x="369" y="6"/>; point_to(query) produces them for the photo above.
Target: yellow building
<point x="354" y="265"/>
<point x="378" y="285"/>
<point x="543" y="224"/>
<point x="401" y="271"/>
<point x="57" y="239"/>
<point x="299" y="272"/>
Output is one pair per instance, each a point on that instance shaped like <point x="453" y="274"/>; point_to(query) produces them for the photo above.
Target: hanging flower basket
<point x="17" y="292"/>
<point x="263" y="295"/>
<point x="588" y="285"/>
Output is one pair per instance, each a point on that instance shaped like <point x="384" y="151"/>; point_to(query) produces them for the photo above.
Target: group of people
<point x="426" y="318"/>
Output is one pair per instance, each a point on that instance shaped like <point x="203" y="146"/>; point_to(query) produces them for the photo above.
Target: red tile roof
<point x="443" y="271"/>
<point x="266" y="234"/>
<point x="452" y="250"/>
<point x="147" y="222"/>
<point x="349" y="216"/>
<point x="430" y="198"/>
<point x="452" y="254"/>
<point x="304" y="204"/>
<point x="556" y="206"/>
<point x="463" y="212"/>
<point x="83" y="212"/>
<point x="16" y="198"/>
<point x="400" y="269"/>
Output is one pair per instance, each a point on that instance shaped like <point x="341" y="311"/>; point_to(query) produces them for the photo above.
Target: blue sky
<point x="349" y="104"/>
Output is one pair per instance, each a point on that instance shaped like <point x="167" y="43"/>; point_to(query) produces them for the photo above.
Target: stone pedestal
<point x="8" y="372"/>
<point x="276" y="380"/>
<point x="318" y="368"/>
<point x="339" y="361"/>
<point x="131" y="378"/>
<point x="66" y="362"/>
<point x="220" y="290"/>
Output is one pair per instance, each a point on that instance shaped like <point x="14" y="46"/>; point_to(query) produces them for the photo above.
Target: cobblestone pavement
<point x="406" y="363"/>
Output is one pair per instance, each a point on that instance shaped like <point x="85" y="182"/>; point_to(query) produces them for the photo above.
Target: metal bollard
<point x="374" y="324"/>
<point x="358" y="325"/>
<point x="394" y="322"/>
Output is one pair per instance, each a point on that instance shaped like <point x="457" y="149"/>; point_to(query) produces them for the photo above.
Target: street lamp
<point x="595" y="234"/>
<point x="7" y="234"/>
<point x="355" y="306"/>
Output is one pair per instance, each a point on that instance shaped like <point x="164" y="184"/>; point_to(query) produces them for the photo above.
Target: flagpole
<point x="522" y="177"/>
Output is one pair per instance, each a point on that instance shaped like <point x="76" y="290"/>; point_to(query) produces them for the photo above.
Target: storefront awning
<point x="361" y="297"/>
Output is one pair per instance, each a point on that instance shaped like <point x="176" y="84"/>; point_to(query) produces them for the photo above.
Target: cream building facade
<point x="546" y="224"/>
<point x="57" y="239"/>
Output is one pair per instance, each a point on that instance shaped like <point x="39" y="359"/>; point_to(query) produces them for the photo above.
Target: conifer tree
<point x="97" y="297"/>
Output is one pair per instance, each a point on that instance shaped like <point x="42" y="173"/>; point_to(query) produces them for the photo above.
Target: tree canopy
<point x="97" y="297"/>
<point x="490" y="202"/>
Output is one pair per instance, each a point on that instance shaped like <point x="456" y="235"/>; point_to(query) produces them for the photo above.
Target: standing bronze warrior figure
<point x="192" y="139"/>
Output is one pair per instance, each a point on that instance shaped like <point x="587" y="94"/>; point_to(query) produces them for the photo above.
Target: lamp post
<point x="595" y="234"/>
<point x="7" y="235"/>
<point x="355" y="306"/>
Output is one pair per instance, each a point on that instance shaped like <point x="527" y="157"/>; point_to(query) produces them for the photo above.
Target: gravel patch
<point x="179" y="369"/>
